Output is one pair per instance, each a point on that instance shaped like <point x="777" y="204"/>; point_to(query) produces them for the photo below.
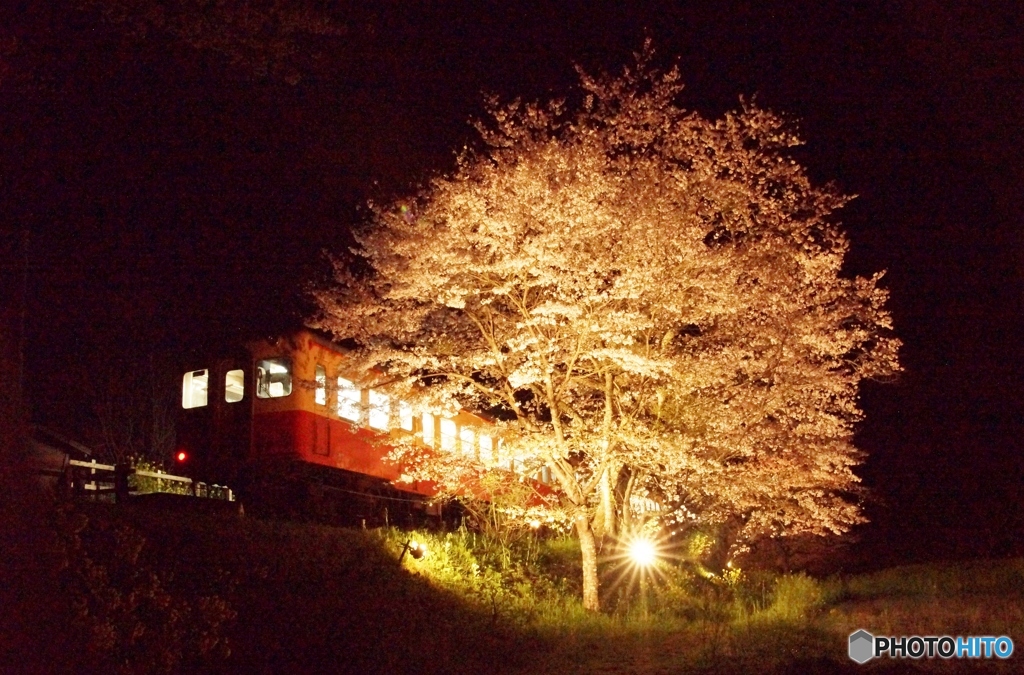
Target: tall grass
<point x="733" y="621"/>
<point x="283" y="597"/>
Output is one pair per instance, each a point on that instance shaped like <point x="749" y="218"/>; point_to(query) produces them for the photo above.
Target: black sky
<point x="179" y="189"/>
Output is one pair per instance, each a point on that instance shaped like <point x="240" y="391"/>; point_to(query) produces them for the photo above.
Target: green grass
<point x="137" y="590"/>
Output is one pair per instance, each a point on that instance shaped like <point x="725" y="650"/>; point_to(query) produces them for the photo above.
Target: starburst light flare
<point x="642" y="552"/>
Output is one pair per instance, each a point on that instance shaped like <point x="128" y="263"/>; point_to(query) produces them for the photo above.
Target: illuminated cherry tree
<point x="649" y="303"/>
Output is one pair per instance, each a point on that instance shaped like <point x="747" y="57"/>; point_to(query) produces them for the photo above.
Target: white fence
<point x="93" y="478"/>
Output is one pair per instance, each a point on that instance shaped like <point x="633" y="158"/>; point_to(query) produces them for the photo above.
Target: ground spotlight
<point x="642" y="552"/>
<point x="416" y="549"/>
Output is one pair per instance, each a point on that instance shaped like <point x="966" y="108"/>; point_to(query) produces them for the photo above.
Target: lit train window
<point x="321" y="385"/>
<point x="448" y="434"/>
<point x="349" y="399"/>
<point x="273" y="378"/>
<point x="405" y="416"/>
<point x="194" y="388"/>
<point x="486" y="450"/>
<point x="234" y="385"/>
<point x="504" y="458"/>
<point x="428" y="428"/>
<point x="466" y="435"/>
<point x="380" y="410"/>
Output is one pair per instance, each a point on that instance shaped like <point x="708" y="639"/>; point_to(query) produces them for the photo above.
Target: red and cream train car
<point x="280" y="418"/>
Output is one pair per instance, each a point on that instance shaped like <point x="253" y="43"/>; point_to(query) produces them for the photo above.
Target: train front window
<point x="321" y="385"/>
<point x="380" y="410"/>
<point x="273" y="378"/>
<point x="349" y="398"/>
<point x="195" y="387"/>
<point x="234" y="385"/>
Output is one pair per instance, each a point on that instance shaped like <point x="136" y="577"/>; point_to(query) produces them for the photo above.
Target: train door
<point x="233" y="410"/>
<point x="321" y="420"/>
<point x="195" y="419"/>
<point x="321" y="436"/>
<point x="215" y="424"/>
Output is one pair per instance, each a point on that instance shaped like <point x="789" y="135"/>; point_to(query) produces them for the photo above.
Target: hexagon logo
<point x="862" y="646"/>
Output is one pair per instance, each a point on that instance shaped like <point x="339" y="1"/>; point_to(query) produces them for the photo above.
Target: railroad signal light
<point x="181" y="456"/>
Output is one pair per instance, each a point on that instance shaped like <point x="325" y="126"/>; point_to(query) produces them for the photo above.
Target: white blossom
<point x="643" y="292"/>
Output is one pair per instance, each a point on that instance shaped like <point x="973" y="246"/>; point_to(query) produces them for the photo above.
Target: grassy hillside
<point x="105" y="589"/>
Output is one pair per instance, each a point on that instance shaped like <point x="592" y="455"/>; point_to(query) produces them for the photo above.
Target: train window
<point x="348" y="400"/>
<point x="504" y="457"/>
<point x="428" y="428"/>
<point x="517" y="464"/>
<point x="449" y="435"/>
<point x="405" y="416"/>
<point x="273" y="378"/>
<point x="380" y="410"/>
<point x="321" y="385"/>
<point x="194" y="388"/>
<point x="486" y="450"/>
<point x="234" y="385"/>
<point x="466" y="436"/>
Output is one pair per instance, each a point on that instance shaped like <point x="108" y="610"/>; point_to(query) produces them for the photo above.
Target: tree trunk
<point x="588" y="549"/>
<point x="608" y="514"/>
<point x="627" y="522"/>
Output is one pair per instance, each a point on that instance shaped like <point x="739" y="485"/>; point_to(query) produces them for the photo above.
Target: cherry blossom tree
<point x="648" y="302"/>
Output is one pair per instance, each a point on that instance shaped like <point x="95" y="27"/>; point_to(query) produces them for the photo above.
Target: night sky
<point x="180" y="180"/>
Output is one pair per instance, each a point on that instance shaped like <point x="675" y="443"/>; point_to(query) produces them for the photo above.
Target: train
<point x="283" y="423"/>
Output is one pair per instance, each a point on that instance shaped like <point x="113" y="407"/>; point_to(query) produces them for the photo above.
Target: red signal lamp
<point x="181" y="456"/>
